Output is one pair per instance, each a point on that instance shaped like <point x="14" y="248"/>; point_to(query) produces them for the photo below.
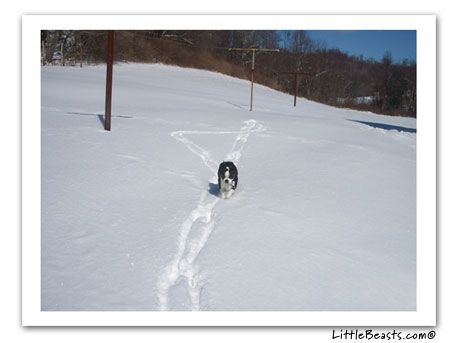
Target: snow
<point x="323" y="219"/>
<point x="365" y="99"/>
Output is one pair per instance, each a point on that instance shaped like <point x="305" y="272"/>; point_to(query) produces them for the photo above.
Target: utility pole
<point x="110" y="48"/>
<point x="253" y="50"/>
<point x="295" y="73"/>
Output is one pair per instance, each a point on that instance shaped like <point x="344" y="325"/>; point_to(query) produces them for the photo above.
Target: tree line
<point x="327" y="75"/>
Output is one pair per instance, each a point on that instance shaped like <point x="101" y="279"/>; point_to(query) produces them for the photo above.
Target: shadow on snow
<point x="386" y="126"/>
<point x="213" y="189"/>
<point x="100" y="116"/>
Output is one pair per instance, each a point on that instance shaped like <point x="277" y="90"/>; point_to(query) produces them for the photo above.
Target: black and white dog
<point x="227" y="179"/>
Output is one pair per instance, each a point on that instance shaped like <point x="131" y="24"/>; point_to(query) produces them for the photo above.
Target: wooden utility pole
<point x="295" y="73"/>
<point x="110" y="49"/>
<point x="253" y="50"/>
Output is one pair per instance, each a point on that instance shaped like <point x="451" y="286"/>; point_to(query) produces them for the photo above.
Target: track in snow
<point x="184" y="262"/>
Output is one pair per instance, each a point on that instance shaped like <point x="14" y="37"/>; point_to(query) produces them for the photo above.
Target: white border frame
<point x="425" y="25"/>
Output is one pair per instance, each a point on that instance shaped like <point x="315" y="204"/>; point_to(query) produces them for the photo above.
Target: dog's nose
<point x="227" y="181"/>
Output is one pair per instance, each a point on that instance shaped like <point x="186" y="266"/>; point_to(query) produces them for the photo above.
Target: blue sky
<point x="371" y="43"/>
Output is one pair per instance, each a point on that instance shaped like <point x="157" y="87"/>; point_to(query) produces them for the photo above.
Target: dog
<point x="227" y="179"/>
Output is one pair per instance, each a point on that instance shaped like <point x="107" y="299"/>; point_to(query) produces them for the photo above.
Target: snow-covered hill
<point x="324" y="216"/>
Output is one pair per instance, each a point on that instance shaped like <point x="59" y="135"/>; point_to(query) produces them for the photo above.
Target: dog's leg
<point x="229" y="194"/>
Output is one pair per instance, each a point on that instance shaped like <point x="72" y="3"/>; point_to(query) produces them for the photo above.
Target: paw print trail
<point x="200" y="222"/>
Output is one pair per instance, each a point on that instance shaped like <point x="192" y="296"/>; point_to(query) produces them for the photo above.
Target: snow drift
<point x="323" y="219"/>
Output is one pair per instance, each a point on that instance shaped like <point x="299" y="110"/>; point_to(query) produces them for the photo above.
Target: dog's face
<point x="228" y="176"/>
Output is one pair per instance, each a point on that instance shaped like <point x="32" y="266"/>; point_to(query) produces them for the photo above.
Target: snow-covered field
<point x="323" y="219"/>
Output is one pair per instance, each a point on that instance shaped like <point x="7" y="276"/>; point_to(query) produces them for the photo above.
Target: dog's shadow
<point x="213" y="189"/>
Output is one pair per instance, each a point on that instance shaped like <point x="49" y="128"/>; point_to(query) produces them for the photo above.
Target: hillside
<point x="323" y="219"/>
